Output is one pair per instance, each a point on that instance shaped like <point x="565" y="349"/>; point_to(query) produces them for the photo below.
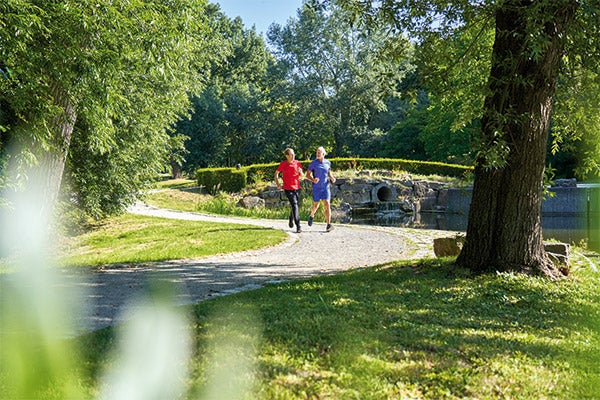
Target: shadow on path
<point x="313" y="252"/>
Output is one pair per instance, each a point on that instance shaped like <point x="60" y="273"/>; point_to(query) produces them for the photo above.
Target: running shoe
<point x="298" y="230"/>
<point x="329" y="228"/>
<point x="310" y="220"/>
<point x="291" y="221"/>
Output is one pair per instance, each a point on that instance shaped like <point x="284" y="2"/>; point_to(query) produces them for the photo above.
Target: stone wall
<point x="360" y="192"/>
<point x="564" y="200"/>
<point x="428" y="196"/>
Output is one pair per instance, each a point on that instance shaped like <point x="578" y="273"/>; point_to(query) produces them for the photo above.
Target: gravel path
<point x="312" y="252"/>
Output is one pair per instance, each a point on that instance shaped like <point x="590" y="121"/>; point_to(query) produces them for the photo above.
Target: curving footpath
<point x="310" y="253"/>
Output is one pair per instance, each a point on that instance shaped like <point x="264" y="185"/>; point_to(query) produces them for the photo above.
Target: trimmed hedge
<point x="233" y="179"/>
<point x="221" y="179"/>
<point x="396" y="164"/>
<point x="264" y="172"/>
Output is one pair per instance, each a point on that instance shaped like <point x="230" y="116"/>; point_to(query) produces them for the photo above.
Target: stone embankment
<point x="369" y="191"/>
<point x="368" y="188"/>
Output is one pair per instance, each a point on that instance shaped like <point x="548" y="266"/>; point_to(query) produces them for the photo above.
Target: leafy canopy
<point x="126" y="68"/>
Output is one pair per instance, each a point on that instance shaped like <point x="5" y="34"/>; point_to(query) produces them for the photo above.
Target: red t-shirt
<point x="291" y="176"/>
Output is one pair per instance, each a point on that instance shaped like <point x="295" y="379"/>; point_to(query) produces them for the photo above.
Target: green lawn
<point x="405" y="330"/>
<point x="421" y="330"/>
<point x="134" y="239"/>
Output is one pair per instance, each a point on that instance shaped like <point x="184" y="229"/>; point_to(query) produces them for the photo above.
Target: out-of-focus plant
<point x="39" y="311"/>
<point x="36" y="312"/>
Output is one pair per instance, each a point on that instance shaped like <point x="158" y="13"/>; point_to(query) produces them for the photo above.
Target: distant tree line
<point x="322" y="80"/>
<point x="95" y="99"/>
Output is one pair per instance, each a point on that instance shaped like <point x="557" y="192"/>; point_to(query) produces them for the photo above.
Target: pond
<point x="568" y="228"/>
<point x="569" y="214"/>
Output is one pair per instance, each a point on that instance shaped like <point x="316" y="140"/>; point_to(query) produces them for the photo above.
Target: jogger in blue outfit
<point x="319" y="173"/>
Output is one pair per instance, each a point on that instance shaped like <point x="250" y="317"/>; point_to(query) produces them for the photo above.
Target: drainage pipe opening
<point x="384" y="192"/>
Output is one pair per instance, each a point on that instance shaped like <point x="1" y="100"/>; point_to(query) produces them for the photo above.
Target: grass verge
<point x="420" y="330"/>
<point x="134" y="239"/>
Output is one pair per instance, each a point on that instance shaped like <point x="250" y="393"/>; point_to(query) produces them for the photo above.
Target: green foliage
<point x="338" y="76"/>
<point x="123" y="72"/>
<point x="227" y="123"/>
<point x="244" y="113"/>
<point x="576" y="130"/>
<point x="217" y="179"/>
<point x="455" y="70"/>
<point x="454" y="54"/>
<point x="410" y="166"/>
<point x="264" y="171"/>
<point x="207" y="143"/>
<point x="403" y="139"/>
<point x="106" y="182"/>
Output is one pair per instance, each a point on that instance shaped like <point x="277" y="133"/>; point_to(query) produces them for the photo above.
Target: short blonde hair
<point x="288" y="151"/>
<point x="322" y="149"/>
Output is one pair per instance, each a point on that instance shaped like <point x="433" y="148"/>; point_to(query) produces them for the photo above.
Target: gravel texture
<point x="108" y="289"/>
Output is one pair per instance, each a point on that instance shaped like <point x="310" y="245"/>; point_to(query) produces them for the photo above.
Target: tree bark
<point x="176" y="171"/>
<point x="48" y="180"/>
<point x="504" y="232"/>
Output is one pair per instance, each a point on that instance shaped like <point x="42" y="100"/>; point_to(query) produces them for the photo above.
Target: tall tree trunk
<point x="52" y="161"/>
<point x="176" y="171"/>
<point x="504" y="232"/>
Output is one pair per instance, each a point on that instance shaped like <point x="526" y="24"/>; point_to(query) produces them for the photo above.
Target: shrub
<point x="258" y="172"/>
<point x="225" y="179"/>
<point x="411" y="166"/>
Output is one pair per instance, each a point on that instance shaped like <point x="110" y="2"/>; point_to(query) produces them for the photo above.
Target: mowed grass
<point x="135" y="239"/>
<point x="405" y="330"/>
<point x="424" y="331"/>
<point x="176" y="194"/>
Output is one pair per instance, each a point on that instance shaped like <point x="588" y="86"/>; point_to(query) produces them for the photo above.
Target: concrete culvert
<point x="384" y="192"/>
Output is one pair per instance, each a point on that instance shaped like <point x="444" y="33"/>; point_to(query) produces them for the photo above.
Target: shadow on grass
<point x="440" y="329"/>
<point x="422" y="329"/>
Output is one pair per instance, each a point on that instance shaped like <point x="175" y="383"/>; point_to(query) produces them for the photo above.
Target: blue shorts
<point x="321" y="193"/>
